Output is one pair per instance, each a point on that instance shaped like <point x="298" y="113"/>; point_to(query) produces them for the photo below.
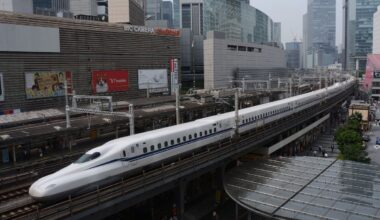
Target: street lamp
<point x="192" y="62"/>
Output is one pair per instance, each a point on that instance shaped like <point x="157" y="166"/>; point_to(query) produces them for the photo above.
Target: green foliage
<point x="350" y="141"/>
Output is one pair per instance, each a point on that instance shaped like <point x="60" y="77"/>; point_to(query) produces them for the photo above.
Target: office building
<point x="277" y="33"/>
<point x="153" y="9"/>
<point x="293" y="55"/>
<point x="176" y="14"/>
<point x="376" y="32"/>
<point x="225" y="57"/>
<point x="358" y="32"/>
<point x="125" y="11"/>
<point x="18" y="6"/>
<point x="55" y="8"/>
<point x="84" y="7"/>
<point x="319" y="33"/>
<point x="167" y="12"/>
<point x="238" y="20"/>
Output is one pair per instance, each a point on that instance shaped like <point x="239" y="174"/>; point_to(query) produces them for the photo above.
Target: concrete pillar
<point x="236" y="211"/>
<point x="181" y="199"/>
<point x="117" y="132"/>
<point x="249" y="216"/>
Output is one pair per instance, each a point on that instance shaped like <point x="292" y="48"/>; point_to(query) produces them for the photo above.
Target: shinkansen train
<point x="116" y="158"/>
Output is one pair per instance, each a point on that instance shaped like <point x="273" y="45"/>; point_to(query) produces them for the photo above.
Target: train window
<point x="172" y="142"/>
<point x="184" y="138"/>
<point x="132" y="150"/>
<point x="166" y="143"/>
<point x="145" y="150"/>
<point x="159" y="146"/>
<point x="190" y="137"/>
<point x="214" y="129"/>
<point x="195" y="135"/>
<point x="210" y="131"/>
<point x="87" y="157"/>
<point x="205" y="132"/>
<point x="200" y="134"/>
<point x="152" y="148"/>
<point x="124" y="154"/>
<point x="178" y="140"/>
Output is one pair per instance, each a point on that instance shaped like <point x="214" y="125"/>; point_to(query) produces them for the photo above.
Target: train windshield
<point x="87" y="157"/>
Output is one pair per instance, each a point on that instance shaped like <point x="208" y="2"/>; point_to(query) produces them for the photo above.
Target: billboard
<point x="44" y="84"/>
<point x="153" y="79"/>
<point x="1" y="88"/>
<point x="109" y="81"/>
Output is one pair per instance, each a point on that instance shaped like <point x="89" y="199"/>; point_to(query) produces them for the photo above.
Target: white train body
<point x="119" y="156"/>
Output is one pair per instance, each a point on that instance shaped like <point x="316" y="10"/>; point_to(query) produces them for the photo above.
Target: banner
<point x="109" y="81"/>
<point x="44" y="84"/>
<point x="1" y="88"/>
<point x="153" y="79"/>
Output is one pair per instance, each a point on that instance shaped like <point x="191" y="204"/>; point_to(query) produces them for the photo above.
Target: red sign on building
<point x="109" y="81"/>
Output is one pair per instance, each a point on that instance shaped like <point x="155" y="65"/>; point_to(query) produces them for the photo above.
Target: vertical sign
<point x="1" y="88"/>
<point x="174" y="74"/>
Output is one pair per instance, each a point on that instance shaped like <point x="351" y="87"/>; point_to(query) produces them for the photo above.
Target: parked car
<point x="378" y="141"/>
<point x="366" y="138"/>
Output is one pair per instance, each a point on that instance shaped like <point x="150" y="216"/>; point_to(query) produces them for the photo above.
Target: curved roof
<point x="307" y="188"/>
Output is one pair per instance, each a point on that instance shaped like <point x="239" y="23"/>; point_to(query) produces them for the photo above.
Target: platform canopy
<point x="306" y="188"/>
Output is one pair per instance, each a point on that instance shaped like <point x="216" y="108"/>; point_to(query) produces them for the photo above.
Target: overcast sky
<point x="289" y="13"/>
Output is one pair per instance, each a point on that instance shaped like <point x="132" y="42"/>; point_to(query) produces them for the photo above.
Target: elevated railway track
<point x="94" y="204"/>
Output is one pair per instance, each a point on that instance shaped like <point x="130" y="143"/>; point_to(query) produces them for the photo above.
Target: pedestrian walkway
<point x="326" y="143"/>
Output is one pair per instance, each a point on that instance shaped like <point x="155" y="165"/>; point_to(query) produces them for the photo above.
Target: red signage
<point x="109" y="81"/>
<point x="167" y="32"/>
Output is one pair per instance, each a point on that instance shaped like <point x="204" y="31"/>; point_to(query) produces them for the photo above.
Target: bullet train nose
<point x="36" y="192"/>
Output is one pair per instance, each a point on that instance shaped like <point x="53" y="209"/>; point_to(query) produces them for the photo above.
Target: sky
<point x="290" y="14"/>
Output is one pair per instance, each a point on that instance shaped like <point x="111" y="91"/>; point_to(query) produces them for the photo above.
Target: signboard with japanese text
<point x="104" y="81"/>
<point x="174" y="74"/>
<point x="44" y="84"/>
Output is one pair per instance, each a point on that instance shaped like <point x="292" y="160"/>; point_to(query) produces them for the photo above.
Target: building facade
<point x="224" y="57"/>
<point x="376" y="32"/>
<point x="167" y="12"/>
<point x="41" y="52"/>
<point x="358" y="32"/>
<point x="18" y="6"/>
<point x="238" y="20"/>
<point x="319" y="33"/>
<point x="153" y="9"/>
<point x="293" y="52"/>
<point x="55" y="8"/>
<point x="84" y="7"/>
<point x="277" y="33"/>
<point x="176" y="14"/>
<point x="125" y="11"/>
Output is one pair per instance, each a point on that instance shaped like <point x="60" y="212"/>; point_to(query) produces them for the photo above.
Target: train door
<point x="124" y="156"/>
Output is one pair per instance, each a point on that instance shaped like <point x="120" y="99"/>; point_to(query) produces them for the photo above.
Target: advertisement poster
<point x="44" y="84"/>
<point x="1" y="88"/>
<point x="153" y="79"/>
<point x="109" y="81"/>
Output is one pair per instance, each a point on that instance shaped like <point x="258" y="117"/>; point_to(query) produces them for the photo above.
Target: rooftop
<point x="306" y="188"/>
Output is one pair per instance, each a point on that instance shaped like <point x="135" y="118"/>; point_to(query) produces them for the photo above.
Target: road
<point x="372" y="149"/>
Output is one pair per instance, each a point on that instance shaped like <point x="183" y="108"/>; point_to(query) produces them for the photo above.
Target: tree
<point x="350" y="141"/>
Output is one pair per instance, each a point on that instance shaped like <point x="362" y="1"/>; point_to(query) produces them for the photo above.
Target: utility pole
<point x="177" y="97"/>
<point x="237" y="113"/>
<point x="67" y="107"/>
<point x="131" y="120"/>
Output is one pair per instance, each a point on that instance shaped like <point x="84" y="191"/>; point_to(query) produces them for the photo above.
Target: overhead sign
<point x="149" y="30"/>
<point x="109" y="81"/>
<point x="153" y="79"/>
<point x="1" y="88"/>
<point x="44" y="84"/>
